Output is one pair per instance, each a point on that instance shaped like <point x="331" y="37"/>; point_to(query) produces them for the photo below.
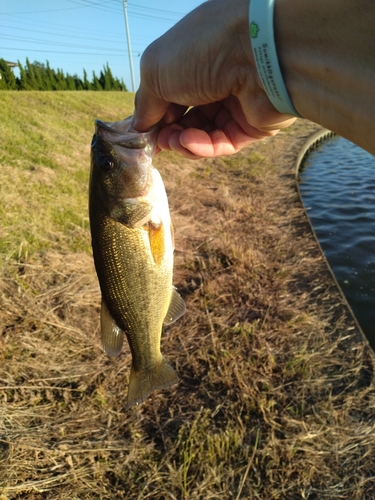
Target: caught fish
<point x="132" y="241"/>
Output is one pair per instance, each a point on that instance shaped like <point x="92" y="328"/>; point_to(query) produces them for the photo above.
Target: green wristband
<point x="265" y="55"/>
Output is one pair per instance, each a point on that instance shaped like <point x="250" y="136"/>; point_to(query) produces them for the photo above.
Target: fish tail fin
<point x="143" y="382"/>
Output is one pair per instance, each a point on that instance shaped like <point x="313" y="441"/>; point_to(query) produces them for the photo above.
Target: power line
<point x="71" y="43"/>
<point x="59" y="44"/>
<point x="97" y="6"/>
<point x="38" y="11"/>
<point x="64" y="52"/>
<point x="134" y="7"/>
<point x="62" y="32"/>
<point x="172" y="16"/>
<point x="57" y="34"/>
<point x="142" y="15"/>
<point x="133" y="10"/>
<point x="143" y="7"/>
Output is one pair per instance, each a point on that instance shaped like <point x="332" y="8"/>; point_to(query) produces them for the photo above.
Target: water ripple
<point x="338" y="190"/>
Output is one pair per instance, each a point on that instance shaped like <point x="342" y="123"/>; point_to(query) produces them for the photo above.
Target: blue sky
<point x="85" y="34"/>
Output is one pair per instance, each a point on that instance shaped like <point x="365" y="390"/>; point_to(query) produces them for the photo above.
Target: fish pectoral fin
<point x="143" y="382"/>
<point x="157" y="241"/>
<point x="111" y="335"/>
<point x="177" y="308"/>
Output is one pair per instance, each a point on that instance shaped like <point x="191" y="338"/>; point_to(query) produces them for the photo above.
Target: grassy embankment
<point x="276" y="399"/>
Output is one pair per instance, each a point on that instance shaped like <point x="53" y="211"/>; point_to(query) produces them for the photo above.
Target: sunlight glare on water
<point x="337" y="186"/>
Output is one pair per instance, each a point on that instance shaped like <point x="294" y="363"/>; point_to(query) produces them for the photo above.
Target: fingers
<point x="174" y="113"/>
<point x="192" y="143"/>
<point x="149" y="110"/>
<point x="207" y="131"/>
<point x="196" y="143"/>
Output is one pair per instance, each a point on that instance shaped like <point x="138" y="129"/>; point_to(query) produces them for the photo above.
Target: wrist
<point x="326" y="54"/>
<point x="261" y="14"/>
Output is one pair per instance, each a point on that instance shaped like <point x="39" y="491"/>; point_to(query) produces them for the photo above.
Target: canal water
<point x="337" y="184"/>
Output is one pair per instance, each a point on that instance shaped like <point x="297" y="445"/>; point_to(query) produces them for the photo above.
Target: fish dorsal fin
<point x="112" y="336"/>
<point x="177" y="308"/>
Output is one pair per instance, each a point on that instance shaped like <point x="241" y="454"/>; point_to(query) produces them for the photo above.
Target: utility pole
<point x="125" y="2"/>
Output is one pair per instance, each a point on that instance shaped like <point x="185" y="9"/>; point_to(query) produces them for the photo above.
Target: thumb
<point x="149" y="110"/>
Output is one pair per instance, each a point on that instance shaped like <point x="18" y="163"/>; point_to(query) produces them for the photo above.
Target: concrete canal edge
<point x="310" y="145"/>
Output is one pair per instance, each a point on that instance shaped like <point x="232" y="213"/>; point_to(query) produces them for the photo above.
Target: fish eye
<point x="106" y="164"/>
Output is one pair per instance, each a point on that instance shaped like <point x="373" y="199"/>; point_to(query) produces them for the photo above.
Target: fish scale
<point x="125" y="283"/>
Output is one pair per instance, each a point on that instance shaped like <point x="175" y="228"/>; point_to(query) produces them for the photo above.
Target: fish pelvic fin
<point x="111" y="335"/>
<point x="143" y="382"/>
<point x="177" y="308"/>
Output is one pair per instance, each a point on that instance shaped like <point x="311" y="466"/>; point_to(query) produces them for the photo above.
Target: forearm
<point x="200" y="78"/>
<point x="326" y="51"/>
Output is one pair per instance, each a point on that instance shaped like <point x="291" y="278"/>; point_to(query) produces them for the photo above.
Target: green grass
<point x="45" y="139"/>
<point x="276" y="399"/>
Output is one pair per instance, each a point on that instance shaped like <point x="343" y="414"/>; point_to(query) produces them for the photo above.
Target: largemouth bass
<point x="132" y="243"/>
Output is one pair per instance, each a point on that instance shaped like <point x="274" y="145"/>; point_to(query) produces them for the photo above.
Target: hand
<point x="200" y="81"/>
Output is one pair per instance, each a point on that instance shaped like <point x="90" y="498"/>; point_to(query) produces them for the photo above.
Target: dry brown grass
<point x="276" y="399"/>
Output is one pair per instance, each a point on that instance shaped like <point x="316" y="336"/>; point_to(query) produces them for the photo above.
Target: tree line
<point x="39" y="76"/>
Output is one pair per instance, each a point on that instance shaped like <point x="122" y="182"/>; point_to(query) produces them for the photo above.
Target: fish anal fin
<point x="111" y="335"/>
<point x="143" y="382"/>
<point x="157" y="241"/>
<point x="177" y="308"/>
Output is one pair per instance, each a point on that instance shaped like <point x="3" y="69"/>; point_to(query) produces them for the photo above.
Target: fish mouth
<point x="123" y="134"/>
<point x="105" y="125"/>
<point x="122" y="169"/>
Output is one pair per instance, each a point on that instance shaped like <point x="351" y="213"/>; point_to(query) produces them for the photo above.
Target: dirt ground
<point x="276" y="398"/>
